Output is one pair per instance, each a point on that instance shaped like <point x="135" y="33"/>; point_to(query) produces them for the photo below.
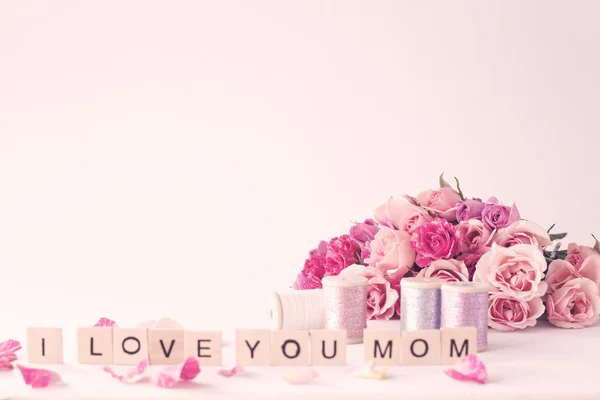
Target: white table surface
<point x="541" y="362"/>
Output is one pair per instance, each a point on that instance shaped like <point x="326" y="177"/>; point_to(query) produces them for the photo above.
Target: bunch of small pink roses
<point x="442" y="234"/>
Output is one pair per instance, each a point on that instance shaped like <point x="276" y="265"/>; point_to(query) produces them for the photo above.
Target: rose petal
<point x="132" y="376"/>
<point x="301" y="379"/>
<point x="38" y="378"/>
<point x="471" y="368"/>
<point x="146" y="324"/>
<point x="5" y="363"/>
<point x="9" y="348"/>
<point x="228" y="373"/>
<point x="369" y="371"/>
<point x="170" y="376"/>
<point x="163" y="323"/>
<point x="109" y="323"/>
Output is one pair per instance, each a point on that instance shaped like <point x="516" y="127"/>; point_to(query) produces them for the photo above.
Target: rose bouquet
<point x="442" y="234"/>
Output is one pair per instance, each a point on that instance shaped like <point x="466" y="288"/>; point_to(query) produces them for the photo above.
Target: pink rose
<point x="341" y="252"/>
<point x="381" y="298"/>
<point x="402" y="214"/>
<point x="497" y="216"/>
<point x="516" y="271"/>
<point x="471" y="260"/>
<point x="391" y="251"/>
<point x="435" y="240"/>
<point x="364" y="232"/>
<point x="469" y="209"/>
<point x="306" y="282"/>
<point x="315" y="263"/>
<point x="506" y="313"/>
<point x="448" y="270"/>
<point x="577" y="254"/>
<point x="562" y="271"/>
<point x="474" y="236"/>
<point x="522" y="232"/>
<point x="575" y="305"/>
<point x="395" y="284"/>
<point x="441" y="202"/>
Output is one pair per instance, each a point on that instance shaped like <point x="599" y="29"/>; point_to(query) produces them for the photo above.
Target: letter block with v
<point x="166" y="346"/>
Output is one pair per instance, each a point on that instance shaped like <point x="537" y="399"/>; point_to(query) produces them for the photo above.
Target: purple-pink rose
<point x="507" y="313"/>
<point x="364" y="232"/>
<point x="391" y="252"/>
<point x="341" y="252"/>
<point x="522" y="232"/>
<point x="402" y="214"/>
<point x="497" y="216"/>
<point x="517" y="271"/>
<point x="380" y="295"/>
<point x="435" y="240"/>
<point x="448" y="270"/>
<point x="575" y="305"/>
<point x="441" y="202"/>
<point x="469" y="209"/>
<point x="307" y="281"/>
<point x="562" y="271"/>
<point x="577" y="254"/>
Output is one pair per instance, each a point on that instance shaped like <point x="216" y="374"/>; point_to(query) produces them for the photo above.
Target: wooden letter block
<point x="253" y="347"/>
<point x="457" y="343"/>
<point x="130" y="345"/>
<point x="383" y="347"/>
<point x="205" y="346"/>
<point x="44" y="345"/>
<point x="290" y="348"/>
<point x="328" y="347"/>
<point x="95" y="345"/>
<point x="165" y="346"/>
<point x="421" y="347"/>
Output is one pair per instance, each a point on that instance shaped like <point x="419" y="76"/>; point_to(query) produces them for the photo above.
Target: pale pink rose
<point x="441" y="202"/>
<point x="391" y="251"/>
<point x="401" y="214"/>
<point x="448" y="270"/>
<point x="507" y="313"/>
<point x="522" y="232"/>
<point x="381" y="298"/>
<point x="562" y="271"/>
<point x="516" y="271"/>
<point x="474" y="235"/>
<point x="576" y="254"/>
<point x="575" y="305"/>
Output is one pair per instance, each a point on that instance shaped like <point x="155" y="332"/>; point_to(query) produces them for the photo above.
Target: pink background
<point x="179" y="159"/>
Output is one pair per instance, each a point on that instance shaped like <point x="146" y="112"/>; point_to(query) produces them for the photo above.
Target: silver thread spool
<point x="466" y="304"/>
<point x="420" y="301"/>
<point x="346" y="305"/>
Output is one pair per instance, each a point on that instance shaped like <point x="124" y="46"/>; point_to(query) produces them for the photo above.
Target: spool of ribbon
<point x="346" y="305"/>
<point x="420" y="300"/>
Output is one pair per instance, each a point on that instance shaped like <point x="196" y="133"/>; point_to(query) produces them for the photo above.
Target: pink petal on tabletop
<point x="146" y="324"/>
<point x="471" y="368"/>
<point x="369" y="371"/>
<point x="170" y="376"/>
<point x="166" y="323"/>
<point x="132" y="376"/>
<point x="228" y="373"/>
<point x="190" y="369"/>
<point x="109" y="323"/>
<point x="39" y="378"/>
<point x="301" y="379"/>
<point x="9" y="347"/>
<point x="5" y="364"/>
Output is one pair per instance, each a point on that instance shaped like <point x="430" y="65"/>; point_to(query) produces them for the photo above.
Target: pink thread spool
<point x="346" y="305"/>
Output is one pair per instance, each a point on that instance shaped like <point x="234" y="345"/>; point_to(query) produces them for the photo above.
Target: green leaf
<point x="597" y="244"/>
<point x="443" y="182"/>
<point x="549" y="229"/>
<point x="557" y="236"/>
<point x="460" y="193"/>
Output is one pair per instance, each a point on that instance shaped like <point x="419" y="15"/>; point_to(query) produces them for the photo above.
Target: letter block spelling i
<point x="383" y="347"/>
<point x="205" y="346"/>
<point x="130" y="345"/>
<point x="95" y="345"/>
<point x="253" y="347"/>
<point x="44" y="345"/>
<point x="290" y="348"/>
<point x="328" y="347"/>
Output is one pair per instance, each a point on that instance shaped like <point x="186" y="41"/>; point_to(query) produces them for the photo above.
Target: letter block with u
<point x="328" y="347"/>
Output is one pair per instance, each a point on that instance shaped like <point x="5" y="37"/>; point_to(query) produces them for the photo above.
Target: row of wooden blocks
<point x="261" y="347"/>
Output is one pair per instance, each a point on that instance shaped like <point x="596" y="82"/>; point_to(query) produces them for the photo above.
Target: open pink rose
<point x="575" y="305"/>
<point x="469" y="209"/>
<point x="391" y="251"/>
<point x="507" y="313"/>
<point x="448" y="270"/>
<point x="576" y="254"/>
<point x="341" y="252"/>
<point x="496" y="215"/>
<point x="522" y="232"/>
<point x="474" y="235"/>
<point x="381" y="298"/>
<point x="436" y="240"/>
<point x="400" y="213"/>
<point x="562" y="271"/>
<point x="516" y="271"/>
<point x="441" y="202"/>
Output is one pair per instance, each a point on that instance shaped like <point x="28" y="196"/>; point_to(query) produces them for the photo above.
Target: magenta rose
<point x="381" y="298"/>
<point x="448" y="270"/>
<point x="307" y="281"/>
<point x="435" y="240"/>
<point x="577" y="254"/>
<point x="391" y="252"/>
<point x="516" y="271"/>
<point x="315" y="264"/>
<point x="440" y="202"/>
<point x="562" y="271"/>
<point x="522" y="232"/>
<point x="402" y="214"/>
<point x="575" y="305"/>
<point x="497" y="216"/>
<point x="341" y="252"/>
<point x="395" y="284"/>
<point x="469" y="209"/>
<point x="507" y="313"/>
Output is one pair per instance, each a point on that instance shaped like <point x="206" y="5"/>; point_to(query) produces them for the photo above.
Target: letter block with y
<point x="383" y="347"/>
<point x="457" y="343"/>
<point x="253" y="347"/>
<point x="328" y="347"/>
<point x="165" y="346"/>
